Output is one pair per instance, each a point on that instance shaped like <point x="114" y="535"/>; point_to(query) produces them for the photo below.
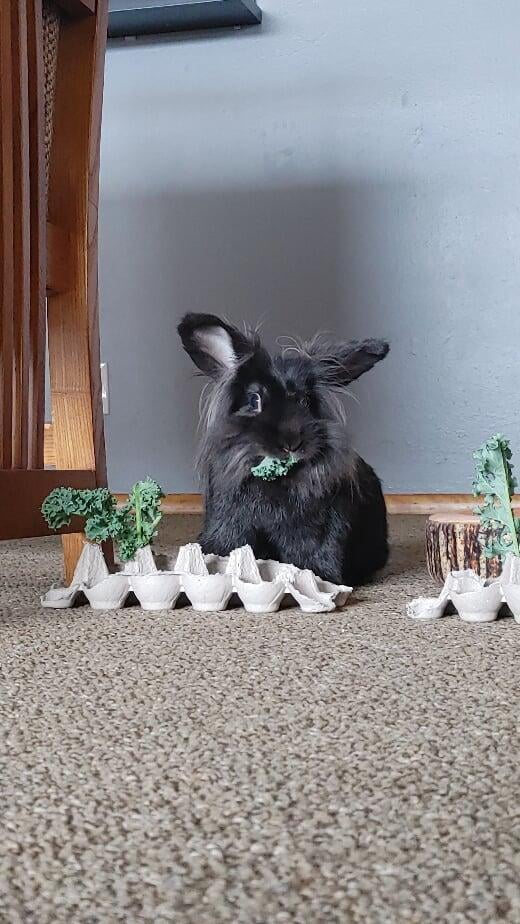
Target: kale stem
<point x="507" y="506"/>
<point x="138" y="519"/>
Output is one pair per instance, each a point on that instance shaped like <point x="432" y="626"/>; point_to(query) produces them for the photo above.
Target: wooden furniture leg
<point x="72" y="315"/>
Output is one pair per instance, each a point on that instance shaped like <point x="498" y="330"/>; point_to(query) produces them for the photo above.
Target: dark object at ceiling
<point x="152" y="17"/>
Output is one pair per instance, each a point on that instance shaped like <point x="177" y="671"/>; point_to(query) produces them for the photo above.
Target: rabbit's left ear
<point x="215" y="346"/>
<point x="337" y="365"/>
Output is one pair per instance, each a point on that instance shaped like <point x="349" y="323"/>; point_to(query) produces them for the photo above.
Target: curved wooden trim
<point x="21" y="217"/>
<point x="38" y="206"/>
<point x="6" y="237"/>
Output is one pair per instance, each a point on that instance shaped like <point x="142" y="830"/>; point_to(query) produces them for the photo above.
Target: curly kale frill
<point x="64" y="503"/>
<point x="270" y="468"/>
<point x="132" y="526"/>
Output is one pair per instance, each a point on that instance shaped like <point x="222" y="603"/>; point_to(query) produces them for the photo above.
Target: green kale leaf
<point x="132" y="526"/>
<point x="494" y="480"/>
<point x="269" y="469"/>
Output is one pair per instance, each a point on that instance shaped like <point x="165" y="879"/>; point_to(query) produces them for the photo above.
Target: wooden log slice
<point x="455" y="542"/>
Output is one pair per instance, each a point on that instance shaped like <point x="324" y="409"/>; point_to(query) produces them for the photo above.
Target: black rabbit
<point x="328" y="512"/>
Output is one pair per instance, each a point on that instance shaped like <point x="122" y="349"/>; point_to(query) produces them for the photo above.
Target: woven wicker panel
<point x="51" y="35"/>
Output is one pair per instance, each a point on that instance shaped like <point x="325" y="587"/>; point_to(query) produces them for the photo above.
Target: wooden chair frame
<point x="48" y="262"/>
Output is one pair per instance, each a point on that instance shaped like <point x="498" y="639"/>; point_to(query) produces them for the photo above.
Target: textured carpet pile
<point x="346" y="767"/>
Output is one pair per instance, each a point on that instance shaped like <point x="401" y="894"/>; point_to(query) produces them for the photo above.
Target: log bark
<point x="457" y="542"/>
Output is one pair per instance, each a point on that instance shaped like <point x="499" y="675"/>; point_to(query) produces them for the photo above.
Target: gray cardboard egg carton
<point x="475" y="598"/>
<point x="208" y="581"/>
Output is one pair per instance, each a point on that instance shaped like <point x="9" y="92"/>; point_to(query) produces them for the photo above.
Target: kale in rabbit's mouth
<point x="269" y="469"/>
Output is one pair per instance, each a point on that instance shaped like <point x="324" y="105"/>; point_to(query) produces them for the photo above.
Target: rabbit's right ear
<point x="215" y="346"/>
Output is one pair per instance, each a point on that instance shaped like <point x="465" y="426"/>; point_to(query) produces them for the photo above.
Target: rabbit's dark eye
<point x="254" y="402"/>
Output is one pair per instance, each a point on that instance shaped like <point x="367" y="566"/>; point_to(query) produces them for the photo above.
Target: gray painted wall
<point x="352" y="166"/>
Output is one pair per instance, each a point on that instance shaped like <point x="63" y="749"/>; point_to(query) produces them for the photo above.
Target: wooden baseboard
<point x="175" y="503"/>
<point x="441" y="505"/>
<point x="424" y="504"/>
<point x="430" y="503"/>
<point x="397" y="503"/>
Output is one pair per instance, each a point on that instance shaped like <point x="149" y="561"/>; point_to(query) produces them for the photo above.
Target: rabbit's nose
<point x="292" y="443"/>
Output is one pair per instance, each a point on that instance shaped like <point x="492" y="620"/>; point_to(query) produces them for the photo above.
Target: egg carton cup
<point x="92" y="578"/>
<point x="208" y="581"/>
<point x="476" y="599"/>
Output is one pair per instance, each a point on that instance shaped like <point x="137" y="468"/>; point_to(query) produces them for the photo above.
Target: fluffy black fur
<point x="328" y="514"/>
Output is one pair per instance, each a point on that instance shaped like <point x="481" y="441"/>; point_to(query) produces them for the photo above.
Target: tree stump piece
<point x="456" y="542"/>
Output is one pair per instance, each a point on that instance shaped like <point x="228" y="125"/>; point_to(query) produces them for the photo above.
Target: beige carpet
<point x="347" y="767"/>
